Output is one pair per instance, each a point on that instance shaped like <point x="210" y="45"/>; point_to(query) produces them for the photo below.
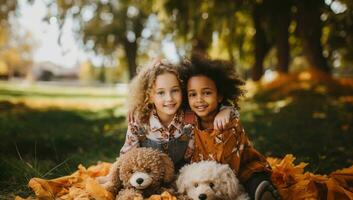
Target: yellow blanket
<point x="290" y="180"/>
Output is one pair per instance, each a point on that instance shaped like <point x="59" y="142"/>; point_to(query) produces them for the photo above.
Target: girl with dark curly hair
<point x="211" y="83"/>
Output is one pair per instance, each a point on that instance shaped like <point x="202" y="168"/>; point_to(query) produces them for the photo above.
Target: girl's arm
<point x="131" y="138"/>
<point x="224" y="116"/>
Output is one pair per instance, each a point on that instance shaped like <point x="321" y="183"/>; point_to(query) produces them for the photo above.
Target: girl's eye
<point x="196" y="185"/>
<point x="160" y="93"/>
<point x="211" y="185"/>
<point x="175" y="90"/>
<point x="191" y="94"/>
<point x="207" y="93"/>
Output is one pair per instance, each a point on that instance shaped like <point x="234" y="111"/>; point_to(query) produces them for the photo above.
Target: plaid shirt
<point x="157" y="132"/>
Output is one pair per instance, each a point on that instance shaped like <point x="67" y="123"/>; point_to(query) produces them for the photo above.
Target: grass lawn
<point x="308" y="115"/>
<point x="47" y="131"/>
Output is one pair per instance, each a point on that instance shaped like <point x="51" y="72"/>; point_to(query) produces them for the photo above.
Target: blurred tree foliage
<point x="339" y="30"/>
<point x="248" y="33"/>
<point x="105" y="26"/>
<point x="15" y="46"/>
<point x="216" y="28"/>
<point x="198" y="21"/>
<point x="7" y="6"/>
<point x="271" y="22"/>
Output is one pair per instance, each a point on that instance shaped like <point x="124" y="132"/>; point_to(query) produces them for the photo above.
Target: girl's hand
<point x="222" y="119"/>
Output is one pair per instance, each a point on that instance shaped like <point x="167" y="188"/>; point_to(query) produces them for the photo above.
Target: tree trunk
<point x="102" y="77"/>
<point x="261" y="44"/>
<point x="131" y="55"/>
<point x="202" y="39"/>
<point x="282" y="35"/>
<point x="231" y="36"/>
<point x="310" y="31"/>
<point x="199" y="48"/>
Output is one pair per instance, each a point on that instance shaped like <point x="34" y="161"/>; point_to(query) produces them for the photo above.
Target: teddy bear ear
<point x="113" y="183"/>
<point x="168" y="168"/>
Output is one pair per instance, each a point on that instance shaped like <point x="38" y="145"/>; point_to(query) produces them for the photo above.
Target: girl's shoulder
<point x="233" y="124"/>
<point x="137" y="124"/>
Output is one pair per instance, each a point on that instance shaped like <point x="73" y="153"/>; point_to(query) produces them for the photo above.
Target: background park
<point x="296" y="56"/>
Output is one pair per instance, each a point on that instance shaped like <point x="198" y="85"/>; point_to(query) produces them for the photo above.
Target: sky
<point x="46" y="35"/>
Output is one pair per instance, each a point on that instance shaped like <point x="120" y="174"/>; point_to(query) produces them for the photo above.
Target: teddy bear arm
<point x="169" y="171"/>
<point x="112" y="182"/>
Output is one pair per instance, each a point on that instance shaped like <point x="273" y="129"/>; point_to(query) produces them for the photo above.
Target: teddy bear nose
<point x="139" y="180"/>
<point x="202" y="196"/>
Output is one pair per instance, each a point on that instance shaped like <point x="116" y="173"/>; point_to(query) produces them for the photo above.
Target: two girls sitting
<point x="207" y="128"/>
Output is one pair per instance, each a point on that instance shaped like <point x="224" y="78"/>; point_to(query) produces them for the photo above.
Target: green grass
<point x="312" y="123"/>
<point x="50" y="141"/>
<point x="47" y="138"/>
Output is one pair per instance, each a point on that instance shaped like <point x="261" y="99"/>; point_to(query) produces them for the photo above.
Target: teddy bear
<point x="138" y="173"/>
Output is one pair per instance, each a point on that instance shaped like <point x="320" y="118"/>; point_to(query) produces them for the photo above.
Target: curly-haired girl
<point x="158" y="118"/>
<point x="211" y="83"/>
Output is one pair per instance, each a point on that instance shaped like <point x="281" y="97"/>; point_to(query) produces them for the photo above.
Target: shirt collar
<point x="156" y="124"/>
<point x="177" y="120"/>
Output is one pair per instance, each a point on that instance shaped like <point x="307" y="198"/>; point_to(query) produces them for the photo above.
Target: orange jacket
<point x="231" y="146"/>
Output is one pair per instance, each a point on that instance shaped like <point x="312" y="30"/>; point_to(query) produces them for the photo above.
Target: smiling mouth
<point x="170" y="105"/>
<point x="200" y="108"/>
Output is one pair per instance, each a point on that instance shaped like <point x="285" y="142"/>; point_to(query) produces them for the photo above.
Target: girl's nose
<point x="168" y="97"/>
<point x="199" y="98"/>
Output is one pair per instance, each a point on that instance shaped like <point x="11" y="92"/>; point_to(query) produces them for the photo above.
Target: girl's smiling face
<point x="166" y="95"/>
<point x="203" y="97"/>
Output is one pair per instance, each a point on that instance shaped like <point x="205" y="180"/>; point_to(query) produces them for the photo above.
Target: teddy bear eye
<point x="196" y="185"/>
<point x="148" y="170"/>
<point x="211" y="185"/>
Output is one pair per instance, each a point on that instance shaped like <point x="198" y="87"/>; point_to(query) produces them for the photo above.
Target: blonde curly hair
<point x="141" y="86"/>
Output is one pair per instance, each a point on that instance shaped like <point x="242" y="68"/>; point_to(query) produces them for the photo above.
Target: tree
<point x="17" y="54"/>
<point x="105" y="26"/>
<point x="271" y="21"/>
<point x="15" y="47"/>
<point x="218" y="29"/>
<point x="339" y="25"/>
<point x="7" y="7"/>
<point x="310" y="32"/>
<point x="200" y="21"/>
<point x="261" y="43"/>
<point x="190" y="22"/>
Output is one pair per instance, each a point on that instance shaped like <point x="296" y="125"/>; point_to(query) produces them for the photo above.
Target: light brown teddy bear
<point x="138" y="173"/>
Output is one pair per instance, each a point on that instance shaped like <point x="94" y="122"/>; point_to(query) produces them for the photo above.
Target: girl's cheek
<point x="191" y="100"/>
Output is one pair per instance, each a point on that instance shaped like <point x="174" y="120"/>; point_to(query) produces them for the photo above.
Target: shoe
<point x="266" y="191"/>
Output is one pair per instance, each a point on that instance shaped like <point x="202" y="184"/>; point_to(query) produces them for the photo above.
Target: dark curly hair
<point x="228" y="83"/>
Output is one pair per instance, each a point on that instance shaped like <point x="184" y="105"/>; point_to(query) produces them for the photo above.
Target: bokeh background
<point x="65" y="66"/>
